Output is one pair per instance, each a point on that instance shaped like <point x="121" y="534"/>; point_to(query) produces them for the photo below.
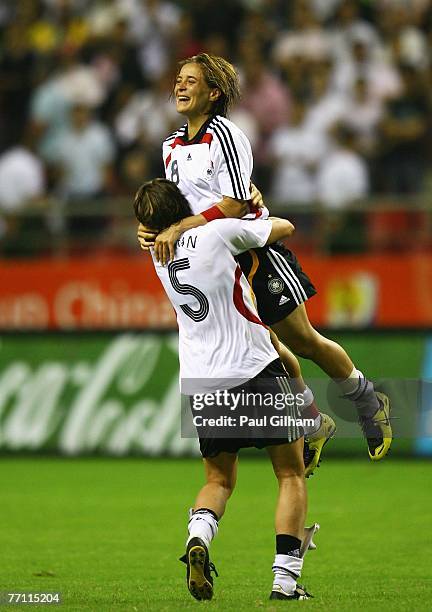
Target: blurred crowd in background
<point x="336" y="100"/>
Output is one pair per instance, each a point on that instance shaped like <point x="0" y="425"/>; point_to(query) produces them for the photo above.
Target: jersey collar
<point x="199" y="136"/>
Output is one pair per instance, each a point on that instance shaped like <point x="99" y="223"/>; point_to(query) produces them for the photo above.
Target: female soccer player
<point x="226" y="356"/>
<point x="210" y="160"/>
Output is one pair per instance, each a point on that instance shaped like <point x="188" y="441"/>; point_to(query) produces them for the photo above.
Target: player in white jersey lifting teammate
<point x="223" y="345"/>
<point x="210" y="160"/>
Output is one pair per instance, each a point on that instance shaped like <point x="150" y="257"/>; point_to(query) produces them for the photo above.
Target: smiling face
<point x="194" y="98"/>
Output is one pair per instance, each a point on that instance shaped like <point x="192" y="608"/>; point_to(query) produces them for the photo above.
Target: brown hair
<point x="160" y="203"/>
<point x="219" y="74"/>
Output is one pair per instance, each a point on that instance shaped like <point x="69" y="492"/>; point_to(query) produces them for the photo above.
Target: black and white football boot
<point x="199" y="567"/>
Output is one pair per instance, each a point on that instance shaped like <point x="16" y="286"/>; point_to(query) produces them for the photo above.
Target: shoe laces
<point x="364" y="421"/>
<point x="213" y="569"/>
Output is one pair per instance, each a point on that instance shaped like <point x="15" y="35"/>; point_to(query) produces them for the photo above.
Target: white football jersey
<point x="217" y="162"/>
<point x="222" y="341"/>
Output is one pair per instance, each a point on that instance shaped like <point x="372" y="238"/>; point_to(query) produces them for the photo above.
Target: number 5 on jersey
<point x="196" y="315"/>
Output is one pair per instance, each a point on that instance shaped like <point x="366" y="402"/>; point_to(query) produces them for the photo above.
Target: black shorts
<point x="271" y="380"/>
<point x="277" y="280"/>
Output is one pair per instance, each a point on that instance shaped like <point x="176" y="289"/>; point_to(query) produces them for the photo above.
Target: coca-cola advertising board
<point x="118" y="394"/>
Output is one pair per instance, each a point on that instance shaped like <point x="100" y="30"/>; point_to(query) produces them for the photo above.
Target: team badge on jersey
<point x="276" y="285"/>
<point x="209" y="170"/>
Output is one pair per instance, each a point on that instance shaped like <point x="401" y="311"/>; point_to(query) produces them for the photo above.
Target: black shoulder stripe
<point x="234" y="180"/>
<point x="225" y="128"/>
<point x="176" y="133"/>
<point x="233" y="171"/>
<point x="170" y="137"/>
<point x="234" y="150"/>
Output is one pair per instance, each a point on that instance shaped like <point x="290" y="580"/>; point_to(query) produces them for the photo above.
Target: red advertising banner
<point x="121" y="292"/>
<point x="83" y="293"/>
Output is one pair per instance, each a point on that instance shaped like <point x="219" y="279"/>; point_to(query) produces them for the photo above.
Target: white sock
<point x="351" y="384"/>
<point x="202" y="524"/>
<point x="286" y="571"/>
<point x="308" y="398"/>
<point x="311" y="429"/>
<point x="361" y="391"/>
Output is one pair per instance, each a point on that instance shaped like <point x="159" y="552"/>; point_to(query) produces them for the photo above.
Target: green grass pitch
<point x="107" y="534"/>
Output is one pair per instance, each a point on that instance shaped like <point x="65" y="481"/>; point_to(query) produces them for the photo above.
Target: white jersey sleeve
<point x="233" y="159"/>
<point x="240" y="235"/>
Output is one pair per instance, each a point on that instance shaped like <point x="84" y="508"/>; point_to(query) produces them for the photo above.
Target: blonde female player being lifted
<point x="209" y="158"/>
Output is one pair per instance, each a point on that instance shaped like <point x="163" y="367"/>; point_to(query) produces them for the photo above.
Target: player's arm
<point x="240" y="235"/>
<point x="164" y="242"/>
<point x="231" y="208"/>
<point x="228" y="207"/>
<point x="281" y="229"/>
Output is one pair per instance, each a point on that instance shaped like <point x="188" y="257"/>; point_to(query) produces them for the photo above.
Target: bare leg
<point x="290" y="362"/>
<point x="288" y="466"/>
<point x="308" y="406"/>
<point x="221" y="476"/>
<point x="373" y="408"/>
<point x="297" y="332"/>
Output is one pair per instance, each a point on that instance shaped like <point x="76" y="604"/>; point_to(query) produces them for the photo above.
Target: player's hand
<point x="256" y="196"/>
<point x="164" y="246"/>
<point x="146" y="237"/>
